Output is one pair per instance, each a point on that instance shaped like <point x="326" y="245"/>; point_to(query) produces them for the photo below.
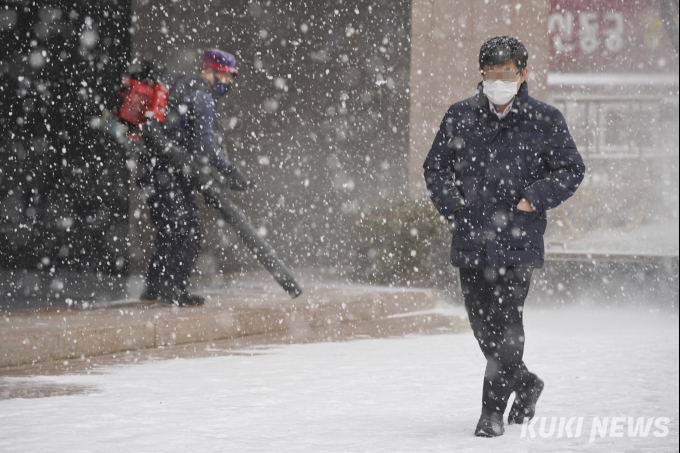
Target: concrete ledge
<point x="42" y="336"/>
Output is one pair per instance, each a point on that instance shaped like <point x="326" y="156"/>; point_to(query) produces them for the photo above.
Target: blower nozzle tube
<point x="214" y="193"/>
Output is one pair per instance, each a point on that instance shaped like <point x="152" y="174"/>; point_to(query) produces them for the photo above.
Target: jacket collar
<point x="196" y="83"/>
<point x="187" y="84"/>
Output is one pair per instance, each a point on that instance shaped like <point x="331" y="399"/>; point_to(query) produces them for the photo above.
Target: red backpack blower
<point x="143" y="94"/>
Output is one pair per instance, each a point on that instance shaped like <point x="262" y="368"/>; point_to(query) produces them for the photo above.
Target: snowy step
<point x="42" y="336"/>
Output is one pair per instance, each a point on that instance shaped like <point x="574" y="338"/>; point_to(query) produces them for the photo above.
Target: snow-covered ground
<point x="411" y="394"/>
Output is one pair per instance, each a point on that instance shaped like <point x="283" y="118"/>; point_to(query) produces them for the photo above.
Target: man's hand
<point x="236" y="181"/>
<point x="524" y="205"/>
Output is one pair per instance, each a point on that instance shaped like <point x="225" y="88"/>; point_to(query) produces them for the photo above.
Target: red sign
<point x="609" y="36"/>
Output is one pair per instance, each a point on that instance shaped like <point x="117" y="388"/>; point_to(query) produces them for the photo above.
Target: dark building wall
<point x="318" y="116"/>
<point x="64" y="186"/>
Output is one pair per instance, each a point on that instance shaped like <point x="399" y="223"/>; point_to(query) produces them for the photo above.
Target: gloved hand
<point x="236" y="181"/>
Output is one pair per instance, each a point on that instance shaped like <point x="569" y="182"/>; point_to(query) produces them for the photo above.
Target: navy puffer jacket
<point x="487" y="166"/>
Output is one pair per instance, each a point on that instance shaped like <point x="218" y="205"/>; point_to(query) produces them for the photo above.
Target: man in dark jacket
<point x="171" y="199"/>
<point x="500" y="160"/>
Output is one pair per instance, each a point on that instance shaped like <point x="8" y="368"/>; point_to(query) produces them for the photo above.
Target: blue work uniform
<point x="172" y="202"/>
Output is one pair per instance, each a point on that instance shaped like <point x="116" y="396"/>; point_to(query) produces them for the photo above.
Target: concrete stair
<point x="29" y="338"/>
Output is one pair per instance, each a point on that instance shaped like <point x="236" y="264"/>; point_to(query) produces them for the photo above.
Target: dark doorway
<point x="64" y="186"/>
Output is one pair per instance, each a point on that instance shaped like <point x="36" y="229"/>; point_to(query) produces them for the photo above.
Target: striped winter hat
<point x="219" y="61"/>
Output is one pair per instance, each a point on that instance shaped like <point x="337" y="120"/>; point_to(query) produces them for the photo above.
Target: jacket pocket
<point x="469" y="187"/>
<point x="524" y="230"/>
<point x="466" y="228"/>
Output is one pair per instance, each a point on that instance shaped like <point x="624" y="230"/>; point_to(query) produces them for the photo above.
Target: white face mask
<point x="500" y="92"/>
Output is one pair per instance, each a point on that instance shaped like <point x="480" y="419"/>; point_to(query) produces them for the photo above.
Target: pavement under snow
<point x="409" y="394"/>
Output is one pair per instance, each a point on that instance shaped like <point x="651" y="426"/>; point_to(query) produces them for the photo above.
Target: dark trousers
<point x="494" y="301"/>
<point x="174" y="213"/>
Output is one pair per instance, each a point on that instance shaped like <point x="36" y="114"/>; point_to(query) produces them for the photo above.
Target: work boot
<point x="524" y="407"/>
<point x="490" y="424"/>
<point x="169" y="295"/>
<point x="149" y="295"/>
<point x="190" y="300"/>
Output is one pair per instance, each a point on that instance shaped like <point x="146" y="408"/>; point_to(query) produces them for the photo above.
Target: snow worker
<point x="500" y="160"/>
<point x="190" y="122"/>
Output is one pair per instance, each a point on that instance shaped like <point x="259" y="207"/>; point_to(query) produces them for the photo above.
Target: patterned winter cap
<point x="219" y="61"/>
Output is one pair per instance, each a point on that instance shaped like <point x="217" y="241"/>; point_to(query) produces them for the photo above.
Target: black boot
<point x="490" y="424"/>
<point x="150" y="294"/>
<point x="169" y="295"/>
<point x="190" y="300"/>
<point x="524" y="407"/>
